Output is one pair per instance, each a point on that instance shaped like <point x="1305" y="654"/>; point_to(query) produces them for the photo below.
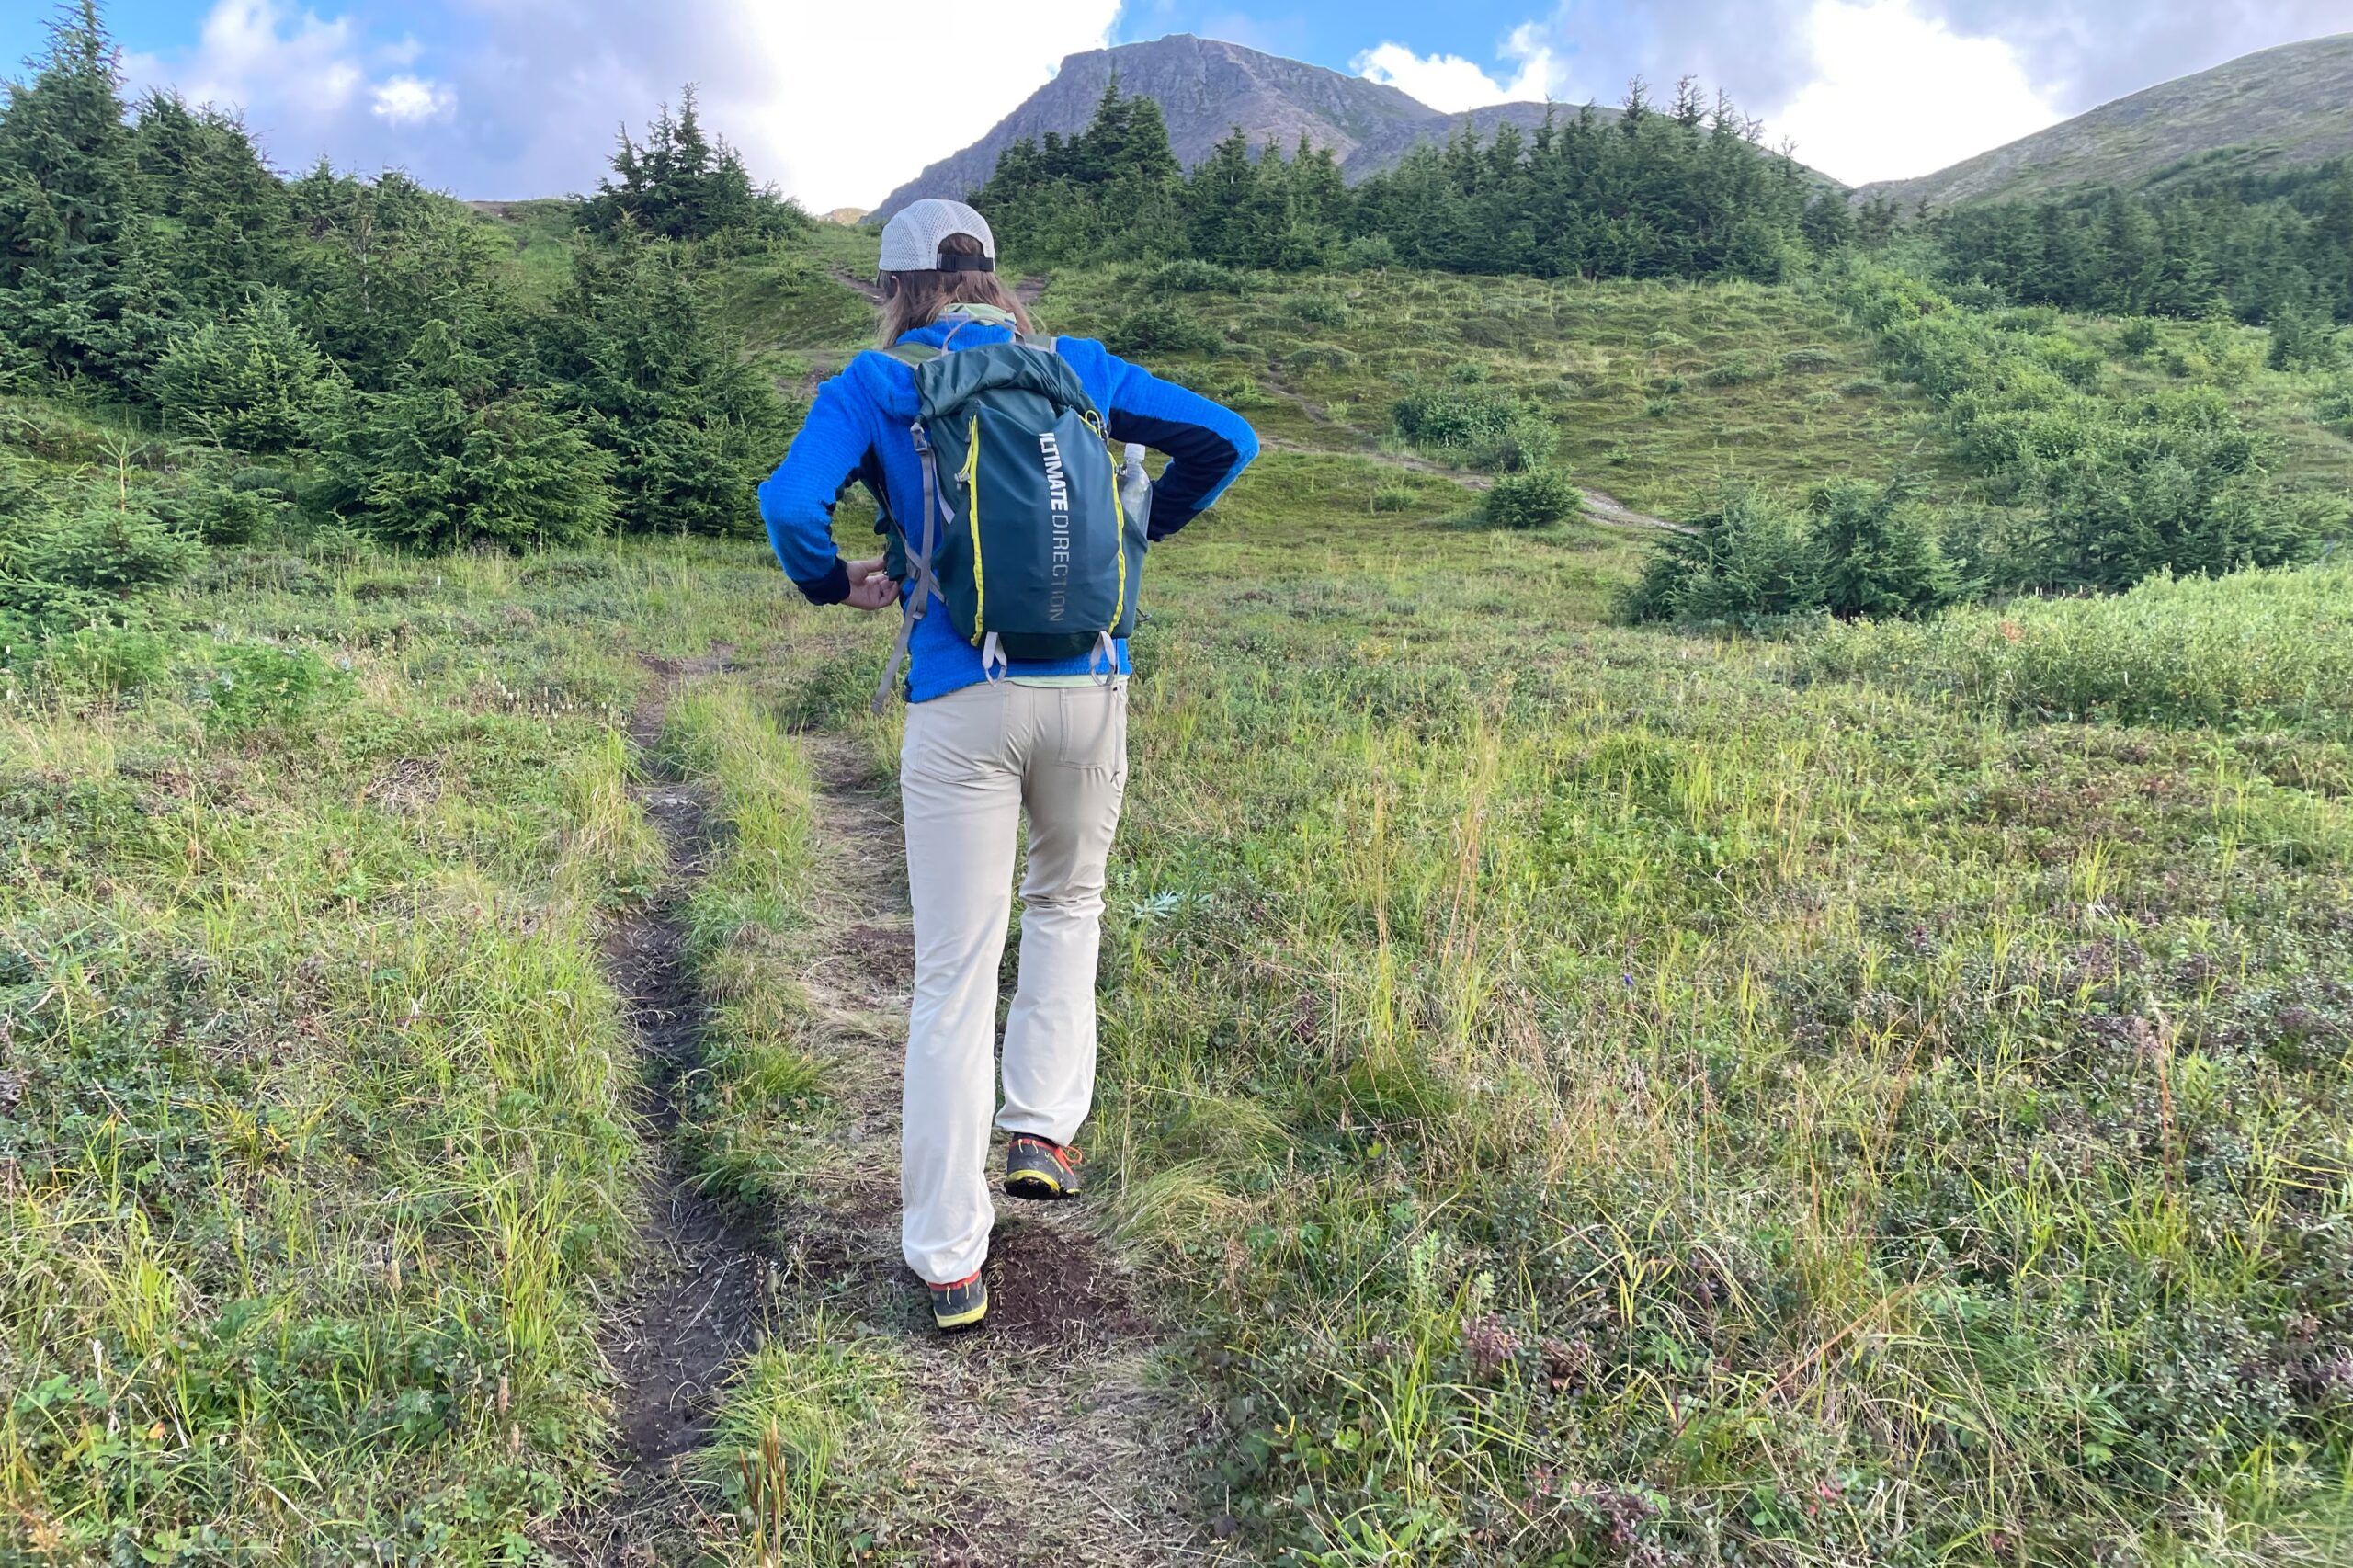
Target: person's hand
<point x="869" y="586"/>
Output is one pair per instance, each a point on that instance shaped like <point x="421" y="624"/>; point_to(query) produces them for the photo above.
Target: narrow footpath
<point x="703" y="1283"/>
<point x="1044" y="1438"/>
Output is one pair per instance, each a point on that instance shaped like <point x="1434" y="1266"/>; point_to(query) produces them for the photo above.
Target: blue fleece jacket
<point x="858" y="428"/>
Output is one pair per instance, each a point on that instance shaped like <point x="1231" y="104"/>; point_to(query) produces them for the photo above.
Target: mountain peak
<point x="1206" y="88"/>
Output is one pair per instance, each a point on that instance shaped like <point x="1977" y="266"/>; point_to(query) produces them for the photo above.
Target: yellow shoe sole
<point x="953" y="1323"/>
<point x="1033" y="1184"/>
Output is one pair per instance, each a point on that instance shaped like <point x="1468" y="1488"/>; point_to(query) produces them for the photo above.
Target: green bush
<point x="1394" y="497"/>
<point x="449" y="457"/>
<point x="2301" y="340"/>
<point x="250" y="686"/>
<point x="1322" y="310"/>
<point x="1527" y="442"/>
<point x="1751" y="558"/>
<point x="1162" y="329"/>
<point x="255" y="504"/>
<point x="1190" y="277"/>
<point x="249" y="380"/>
<point x="87" y="557"/>
<point x="98" y="662"/>
<point x="1451" y="417"/>
<point x="2113" y="487"/>
<point x="2334" y="407"/>
<point x="1738" y="370"/>
<point x="1533" y="499"/>
<point x="1879" y="552"/>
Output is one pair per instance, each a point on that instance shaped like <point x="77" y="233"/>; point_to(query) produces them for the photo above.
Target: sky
<point x="838" y="103"/>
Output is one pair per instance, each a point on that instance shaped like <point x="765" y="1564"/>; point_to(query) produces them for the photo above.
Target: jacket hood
<point x="892" y="385"/>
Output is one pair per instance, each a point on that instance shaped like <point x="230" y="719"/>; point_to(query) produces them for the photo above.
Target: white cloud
<point x="254" y="52"/>
<point x="840" y="103"/>
<point x="834" y="102"/>
<point x="1896" y="94"/>
<point x="1450" y="82"/>
<point x="412" y="100"/>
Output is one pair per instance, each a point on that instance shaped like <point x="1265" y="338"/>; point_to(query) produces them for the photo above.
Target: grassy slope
<point x="1660" y="390"/>
<point x="1598" y="1091"/>
<point x="2258" y="113"/>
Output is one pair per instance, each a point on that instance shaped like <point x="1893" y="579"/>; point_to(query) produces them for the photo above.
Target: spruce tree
<point x="690" y="424"/>
<point x="449" y="457"/>
<point x="74" y="288"/>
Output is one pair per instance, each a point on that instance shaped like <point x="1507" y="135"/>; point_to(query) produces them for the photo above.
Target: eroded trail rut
<point x="1043" y="1438"/>
<point x="705" y="1284"/>
<point x="1046" y="1437"/>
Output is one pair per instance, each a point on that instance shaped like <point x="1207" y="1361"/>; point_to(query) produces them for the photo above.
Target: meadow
<point x="1574" y="1093"/>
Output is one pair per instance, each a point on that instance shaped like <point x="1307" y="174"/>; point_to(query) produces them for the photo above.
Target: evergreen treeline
<point x="1680" y="193"/>
<point x="2268" y="248"/>
<point x="335" y="350"/>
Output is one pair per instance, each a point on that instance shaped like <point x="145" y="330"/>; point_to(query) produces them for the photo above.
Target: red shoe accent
<point x="952" y="1284"/>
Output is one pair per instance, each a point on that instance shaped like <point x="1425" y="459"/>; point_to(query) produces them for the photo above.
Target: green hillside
<point x="1729" y="943"/>
<point x="2257" y="115"/>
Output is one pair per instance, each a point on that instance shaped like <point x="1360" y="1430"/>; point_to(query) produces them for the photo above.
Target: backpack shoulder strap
<point x="912" y="354"/>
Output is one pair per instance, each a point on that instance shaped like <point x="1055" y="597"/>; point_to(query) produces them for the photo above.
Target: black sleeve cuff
<point x="830" y="589"/>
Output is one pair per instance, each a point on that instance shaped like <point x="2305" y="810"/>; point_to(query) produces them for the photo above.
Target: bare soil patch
<point x="706" y="1282"/>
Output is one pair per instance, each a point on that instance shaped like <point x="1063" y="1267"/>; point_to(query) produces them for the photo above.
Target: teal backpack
<point x="1030" y="535"/>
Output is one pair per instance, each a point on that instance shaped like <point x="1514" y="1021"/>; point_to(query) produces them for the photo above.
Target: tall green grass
<point x="2254" y="651"/>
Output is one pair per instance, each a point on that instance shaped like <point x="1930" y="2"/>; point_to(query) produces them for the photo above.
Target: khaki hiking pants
<point x="973" y="763"/>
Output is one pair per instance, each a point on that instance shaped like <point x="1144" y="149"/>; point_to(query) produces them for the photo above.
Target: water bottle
<point x="1135" y="488"/>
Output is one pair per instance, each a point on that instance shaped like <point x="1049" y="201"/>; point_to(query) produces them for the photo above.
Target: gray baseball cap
<point x="911" y="240"/>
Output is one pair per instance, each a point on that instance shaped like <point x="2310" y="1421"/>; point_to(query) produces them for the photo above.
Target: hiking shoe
<point x="959" y="1304"/>
<point x="1040" y="1167"/>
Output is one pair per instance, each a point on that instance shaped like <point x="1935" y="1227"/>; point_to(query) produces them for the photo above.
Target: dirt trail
<point x="704" y="1283"/>
<point x="1600" y="506"/>
<point x="1041" y="1439"/>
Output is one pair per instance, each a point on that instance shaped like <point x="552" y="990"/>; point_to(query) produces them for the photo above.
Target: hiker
<point x="1015" y="548"/>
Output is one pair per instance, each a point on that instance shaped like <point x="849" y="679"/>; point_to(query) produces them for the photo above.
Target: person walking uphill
<point x="1016" y="548"/>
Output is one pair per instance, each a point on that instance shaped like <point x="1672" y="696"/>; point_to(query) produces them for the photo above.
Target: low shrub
<point x="1527" y="442"/>
<point x="84" y="559"/>
<point x="1752" y="559"/>
<point x="1322" y="310"/>
<point x="1190" y="277"/>
<point x="1536" y="498"/>
<point x="1162" y="329"/>
<point x="1808" y="361"/>
<point x="1453" y="417"/>
<point x="250" y="686"/>
<point x="1855" y="550"/>
<point x="2334" y="407"/>
<point x="1393" y="498"/>
<point x="1738" y="370"/>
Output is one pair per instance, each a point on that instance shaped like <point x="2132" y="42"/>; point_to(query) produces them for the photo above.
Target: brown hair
<point x="911" y="300"/>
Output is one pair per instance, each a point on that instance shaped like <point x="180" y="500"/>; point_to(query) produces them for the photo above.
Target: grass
<point x="1610" y="1097"/>
<point x="1591" y="1095"/>
<point x="2260" y="652"/>
<point x="314" y="1128"/>
<point x="1660" y="390"/>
